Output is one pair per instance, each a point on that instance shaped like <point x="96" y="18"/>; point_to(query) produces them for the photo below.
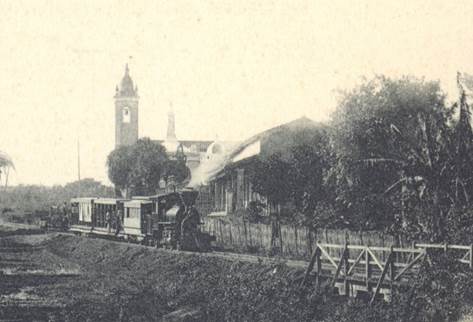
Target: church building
<point x="127" y="126"/>
<point x="126" y="111"/>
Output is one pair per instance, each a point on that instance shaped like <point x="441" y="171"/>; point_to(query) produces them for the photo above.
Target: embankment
<point x="128" y="282"/>
<point x="115" y="281"/>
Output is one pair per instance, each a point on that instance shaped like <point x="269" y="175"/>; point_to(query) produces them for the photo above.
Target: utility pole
<point x="78" y="166"/>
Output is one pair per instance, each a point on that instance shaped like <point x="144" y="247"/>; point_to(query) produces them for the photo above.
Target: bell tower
<point x="126" y="111"/>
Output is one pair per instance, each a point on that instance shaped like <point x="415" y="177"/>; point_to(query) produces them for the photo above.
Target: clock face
<point x="126" y="114"/>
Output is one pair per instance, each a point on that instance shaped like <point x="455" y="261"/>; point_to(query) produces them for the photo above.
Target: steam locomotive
<point x="167" y="220"/>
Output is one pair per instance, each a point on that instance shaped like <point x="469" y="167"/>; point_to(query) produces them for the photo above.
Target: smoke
<point x="206" y="169"/>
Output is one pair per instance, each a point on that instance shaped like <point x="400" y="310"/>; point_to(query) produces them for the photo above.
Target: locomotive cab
<point x="178" y="221"/>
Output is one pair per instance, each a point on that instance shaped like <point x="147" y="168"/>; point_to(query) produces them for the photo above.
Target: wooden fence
<point x="293" y="241"/>
<point x="374" y="270"/>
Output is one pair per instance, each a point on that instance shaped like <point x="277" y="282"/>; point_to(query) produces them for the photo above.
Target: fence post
<point x="221" y="232"/>
<point x="309" y="240"/>
<point x="246" y="234"/>
<point x="392" y="273"/>
<point x="280" y="238"/>
<point x="318" y="264"/>
<point x="346" y="254"/>
<point x="471" y="256"/>
<point x="367" y="270"/>
<point x="313" y="260"/>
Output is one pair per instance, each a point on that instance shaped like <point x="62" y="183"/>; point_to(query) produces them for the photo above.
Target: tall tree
<point x="271" y="179"/>
<point x="5" y="165"/>
<point x="395" y="157"/>
<point x="138" y="168"/>
<point x="177" y="169"/>
<point x="464" y="149"/>
<point x="310" y="160"/>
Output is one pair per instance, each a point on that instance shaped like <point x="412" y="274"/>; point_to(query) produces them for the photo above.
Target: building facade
<point x="126" y="111"/>
<point x="127" y="127"/>
<point x="193" y="150"/>
<point x="231" y="187"/>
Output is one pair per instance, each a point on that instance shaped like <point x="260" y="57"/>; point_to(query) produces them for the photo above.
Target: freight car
<point x="165" y="220"/>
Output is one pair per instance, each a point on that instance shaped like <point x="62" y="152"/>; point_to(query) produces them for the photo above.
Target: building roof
<point x="300" y="124"/>
<point x="276" y="139"/>
<point x="127" y="88"/>
<point x="212" y="162"/>
<point x="108" y="201"/>
<point x="201" y="146"/>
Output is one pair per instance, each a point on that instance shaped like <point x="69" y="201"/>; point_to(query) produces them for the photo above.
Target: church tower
<point x="126" y="111"/>
<point x="171" y="143"/>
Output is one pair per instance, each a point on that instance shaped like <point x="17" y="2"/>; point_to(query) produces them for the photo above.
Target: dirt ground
<point x="60" y="277"/>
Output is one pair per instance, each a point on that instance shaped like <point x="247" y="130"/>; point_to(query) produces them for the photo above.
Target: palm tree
<point x="5" y="165"/>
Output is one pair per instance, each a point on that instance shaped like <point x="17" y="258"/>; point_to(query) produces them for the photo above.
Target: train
<point x="168" y="220"/>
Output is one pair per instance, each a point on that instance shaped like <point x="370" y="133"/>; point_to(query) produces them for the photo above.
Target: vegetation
<point x="401" y="157"/>
<point x="281" y="174"/>
<point x="115" y="287"/>
<point x="30" y="198"/>
<point x="395" y="157"/>
<point x="139" y="168"/>
<point x="5" y="165"/>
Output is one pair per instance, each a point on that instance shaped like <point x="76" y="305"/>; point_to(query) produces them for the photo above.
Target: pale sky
<point x="229" y="68"/>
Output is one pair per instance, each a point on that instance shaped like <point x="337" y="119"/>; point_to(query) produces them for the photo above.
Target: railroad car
<point x="81" y="215"/>
<point x="164" y="220"/>
<point x="137" y="220"/>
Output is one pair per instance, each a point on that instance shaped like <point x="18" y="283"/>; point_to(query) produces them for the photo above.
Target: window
<point x="126" y="115"/>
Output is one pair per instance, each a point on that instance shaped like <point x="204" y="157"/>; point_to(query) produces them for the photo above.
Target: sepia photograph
<point x="217" y="160"/>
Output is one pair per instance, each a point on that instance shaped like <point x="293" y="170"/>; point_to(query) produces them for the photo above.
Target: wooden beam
<point x="376" y="260"/>
<point x="310" y="267"/>
<point x="345" y="257"/>
<point x="356" y="262"/>
<point x="392" y="275"/>
<point x="367" y="271"/>
<point x="318" y="264"/>
<point x="471" y="256"/>
<point x="327" y="255"/>
<point x="339" y="267"/>
<point x="381" y="278"/>
<point x="466" y="256"/>
<point x="414" y="261"/>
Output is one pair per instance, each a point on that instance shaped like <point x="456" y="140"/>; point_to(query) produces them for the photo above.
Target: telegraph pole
<point x="78" y="166"/>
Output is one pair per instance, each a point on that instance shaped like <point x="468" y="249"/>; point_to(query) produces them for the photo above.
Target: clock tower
<point x="126" y="111"/>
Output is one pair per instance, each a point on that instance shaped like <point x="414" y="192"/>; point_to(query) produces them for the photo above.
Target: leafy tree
<point x="270" y="178"/>
<point x="119" y="164"/>
<point x="292" y="168"/>
<point x="310" y="161"/>
<point x="5" y="165"/>
<point x="396" y="156"/>
<point x="464" y="150"/>
<point x="148" y="165"/>
<point x="30" y="198"/>
<point x="176" y="167"/>
<point x="139" y="167"/>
